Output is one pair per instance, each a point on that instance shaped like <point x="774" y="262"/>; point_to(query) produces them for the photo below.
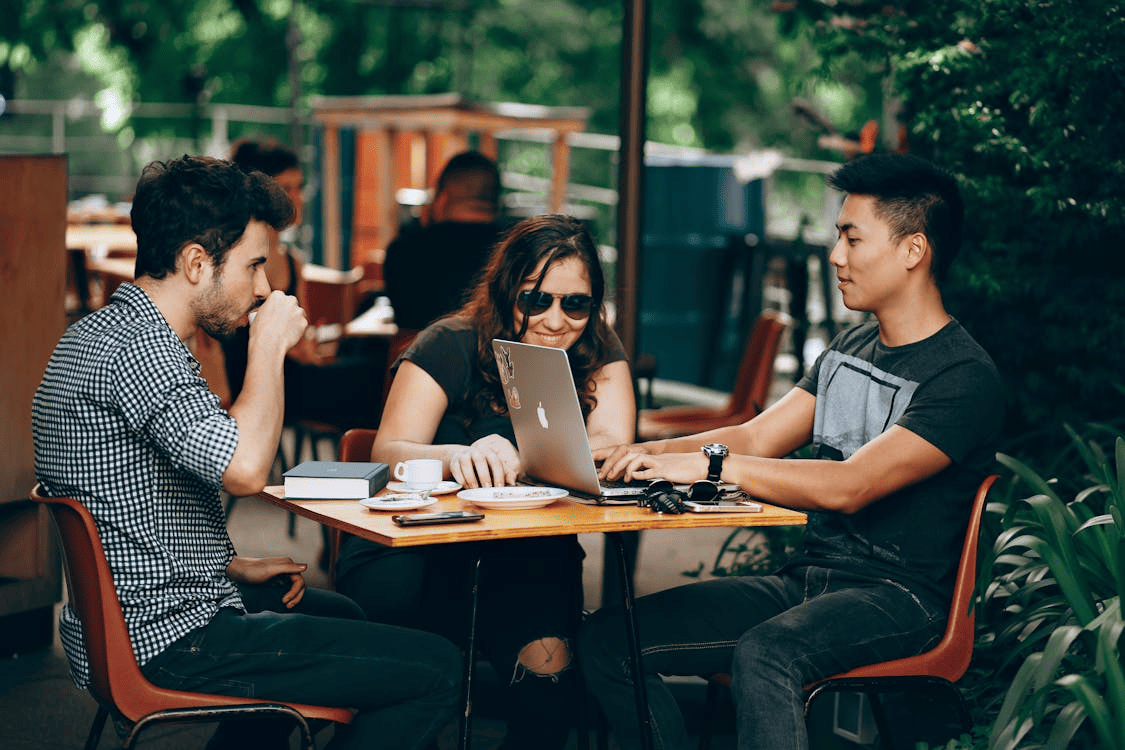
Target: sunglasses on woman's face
<point x="576" y="306"/>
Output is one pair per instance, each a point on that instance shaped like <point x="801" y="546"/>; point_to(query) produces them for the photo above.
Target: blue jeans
<point x="773" y="634"/>
<point x="404" y="684"/>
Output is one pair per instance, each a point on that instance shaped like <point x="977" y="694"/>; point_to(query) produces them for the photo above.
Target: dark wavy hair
<point x="545" y="239"/>
<point x="266" y="155"/>
<point x="203" y="200"/>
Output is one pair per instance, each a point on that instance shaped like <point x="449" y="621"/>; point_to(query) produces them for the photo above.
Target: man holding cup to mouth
<point x="124" y="423"/>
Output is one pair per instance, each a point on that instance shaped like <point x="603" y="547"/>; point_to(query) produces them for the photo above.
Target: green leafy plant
<point x="756" y="551"/>
<point x="1056" y="571"/>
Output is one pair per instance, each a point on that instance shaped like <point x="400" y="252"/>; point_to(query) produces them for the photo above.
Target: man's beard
<point x="215" y="315"/>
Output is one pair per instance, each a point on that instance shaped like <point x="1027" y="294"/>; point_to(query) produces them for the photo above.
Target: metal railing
<point x="109" y="162"/>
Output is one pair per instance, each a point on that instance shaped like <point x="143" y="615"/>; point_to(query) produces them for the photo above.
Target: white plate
<point x="512" y="498"/>
<point x="397" y="502"/>
<point x="438" y="488"/>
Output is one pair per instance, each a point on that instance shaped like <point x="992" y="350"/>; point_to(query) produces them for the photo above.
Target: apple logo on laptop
<point x="542" y="415"/>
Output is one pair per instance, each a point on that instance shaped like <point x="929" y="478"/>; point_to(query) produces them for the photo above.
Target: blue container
<point x="700" y="226"/>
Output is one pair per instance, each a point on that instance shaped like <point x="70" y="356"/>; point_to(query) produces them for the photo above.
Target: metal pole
<point x="630" y="182"/>
<point x="292" y="46"/>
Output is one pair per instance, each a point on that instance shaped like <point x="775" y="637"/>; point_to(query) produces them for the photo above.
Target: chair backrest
<point x="950" y="658"/>
<point x="755" y="371"/>
<point x="330" y="296"/>
<point x="356" y="444"/>
<point x="116" y="679"/>
<point x="91" y="594"/>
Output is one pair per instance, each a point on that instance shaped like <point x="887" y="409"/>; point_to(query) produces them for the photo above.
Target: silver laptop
<point x="547" y="420"/>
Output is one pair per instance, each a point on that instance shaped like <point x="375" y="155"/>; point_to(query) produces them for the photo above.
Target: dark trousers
<point x="529" y="589"/>
<point x="773" y="634"/>
<point x="405" y="684"/>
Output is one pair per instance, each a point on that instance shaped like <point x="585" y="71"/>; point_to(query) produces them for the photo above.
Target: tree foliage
<point x="721" y="76"/>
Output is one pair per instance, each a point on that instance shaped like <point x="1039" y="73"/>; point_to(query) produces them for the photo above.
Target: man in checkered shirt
<point x="124" y="423"/>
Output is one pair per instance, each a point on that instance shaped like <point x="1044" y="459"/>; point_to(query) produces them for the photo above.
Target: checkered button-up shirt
<point x="124" y="424"/>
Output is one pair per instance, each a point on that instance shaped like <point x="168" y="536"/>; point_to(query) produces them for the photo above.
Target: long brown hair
<point x="545" y="239"/>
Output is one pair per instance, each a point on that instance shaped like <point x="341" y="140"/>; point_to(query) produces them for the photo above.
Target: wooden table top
<point x="561" y="517"/>
<point x="122" y="268"/>
<point x="97" y="238"/>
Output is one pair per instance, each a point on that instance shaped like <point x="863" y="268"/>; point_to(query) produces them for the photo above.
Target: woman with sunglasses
<point x="543" y="285"/>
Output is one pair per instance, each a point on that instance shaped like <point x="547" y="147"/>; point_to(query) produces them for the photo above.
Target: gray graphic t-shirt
<point x="946" y="390"/>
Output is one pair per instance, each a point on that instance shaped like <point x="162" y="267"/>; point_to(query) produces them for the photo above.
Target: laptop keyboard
<point x="616" y="484"/>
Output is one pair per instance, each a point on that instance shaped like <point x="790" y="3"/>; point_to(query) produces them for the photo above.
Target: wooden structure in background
<point x="403" y="142"/>
<point x="33" y="194"/>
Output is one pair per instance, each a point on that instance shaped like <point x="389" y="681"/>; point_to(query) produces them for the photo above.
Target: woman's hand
<point x="281" y="570"/>
<point x="491" y="461"/>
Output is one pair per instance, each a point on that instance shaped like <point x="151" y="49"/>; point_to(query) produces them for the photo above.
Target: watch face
<point x="716" y="449"/>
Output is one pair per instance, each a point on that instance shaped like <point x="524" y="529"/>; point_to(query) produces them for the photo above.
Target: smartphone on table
<point x="722" y="506"/>
<point x="428" y="519"/>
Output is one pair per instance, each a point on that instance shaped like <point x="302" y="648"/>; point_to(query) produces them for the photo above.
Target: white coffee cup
<point x="420" y="472"/>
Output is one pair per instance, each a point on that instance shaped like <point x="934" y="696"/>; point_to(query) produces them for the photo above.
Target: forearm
<point x="896" y="459"/>
<point x="734" y="437"/>
<point x="778" y="431"/>
<point x="258" y="411"/>
<point x="801" y="484"/>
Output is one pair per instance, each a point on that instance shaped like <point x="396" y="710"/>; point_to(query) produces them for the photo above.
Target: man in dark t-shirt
<point x="430" y="266"/>
<point x="902" y="415"/>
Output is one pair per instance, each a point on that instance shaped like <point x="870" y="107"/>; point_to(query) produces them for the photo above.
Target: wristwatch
<point x="715" y="453"/>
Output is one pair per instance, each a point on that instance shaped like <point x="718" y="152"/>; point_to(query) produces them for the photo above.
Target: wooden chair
<point x="936" y="669"/>
<point x="329" y="295"/>
<point x="748" y="396"/>
<point x="117" y="683"/>
<point x="355" y="445"/>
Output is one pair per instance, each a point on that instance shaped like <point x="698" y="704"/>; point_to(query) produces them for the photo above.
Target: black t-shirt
<point x="944" y="389"/>
<point x="447" y="351"/>
<point x="429" y="270"/>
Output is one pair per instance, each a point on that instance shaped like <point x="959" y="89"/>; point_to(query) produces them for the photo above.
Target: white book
<point x="335" y="480"/>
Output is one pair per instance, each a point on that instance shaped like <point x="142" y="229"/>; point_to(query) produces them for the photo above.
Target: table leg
<point x="470" y="659"/>
<point x="640" y="690"/>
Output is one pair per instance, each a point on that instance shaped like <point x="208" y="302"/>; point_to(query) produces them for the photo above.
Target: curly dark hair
<point x="545" y="239"/>
<point x="203" y="200"/>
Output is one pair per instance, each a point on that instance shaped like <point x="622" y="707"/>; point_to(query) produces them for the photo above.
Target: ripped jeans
<point x="530" y="589"/>
<point x="773" y="634"/>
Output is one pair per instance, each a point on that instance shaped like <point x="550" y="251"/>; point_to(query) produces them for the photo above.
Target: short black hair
<point x="263" y="154"/>
<point x="912" y="195"/>
<point x="199" y="199"/>
<point x="471" y="176"/>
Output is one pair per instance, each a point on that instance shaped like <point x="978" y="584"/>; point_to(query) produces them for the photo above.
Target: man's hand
<point x="281" y="570"/>
<point x="279" y="318"/>
<point x="633" y="462"/>
<point x="613" y="460"/>
<point x="491" y="461"/>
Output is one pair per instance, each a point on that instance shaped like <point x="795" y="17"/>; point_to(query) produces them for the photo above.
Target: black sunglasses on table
<point x="576" y="306"/>
<point x="663" y="497"/>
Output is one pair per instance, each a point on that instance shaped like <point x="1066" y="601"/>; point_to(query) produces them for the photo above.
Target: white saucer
<point x="512" y="498"/>
<point x="435" y="488"/>
<point x="397" y="502"/>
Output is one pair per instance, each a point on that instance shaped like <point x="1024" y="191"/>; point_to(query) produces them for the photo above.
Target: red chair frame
<point x="935" y="669"/>
<point x="117" y="682"/>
